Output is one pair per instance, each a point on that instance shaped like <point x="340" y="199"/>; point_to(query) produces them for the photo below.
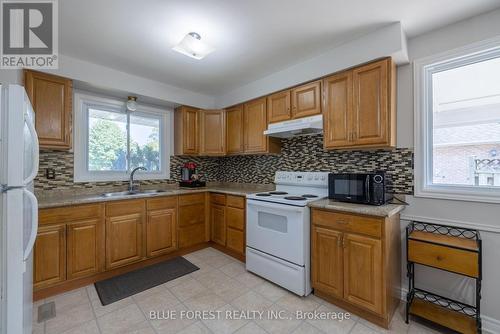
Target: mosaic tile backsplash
<point x="298" y="154"/>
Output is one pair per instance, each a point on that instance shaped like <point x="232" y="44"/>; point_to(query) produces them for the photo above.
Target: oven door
<point x="279" y="230"/>
<point x="350" y="187"/>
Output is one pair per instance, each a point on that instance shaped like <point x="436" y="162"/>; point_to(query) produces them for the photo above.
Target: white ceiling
<point x="253" y="38"/>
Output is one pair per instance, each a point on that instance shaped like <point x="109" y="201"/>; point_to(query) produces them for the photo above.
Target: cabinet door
<point x="190" y="131"/>
<point x="161" y="232"/>
<point x="123" y="239"/>
<point x="235" y="240"/>
<point x="218" y="223"/>
<point x="51" y="97"/>
<point x="278" y="107"/>
<point x="306" y="100"/>
<point x="234" y="133"/>
<point x="213" y="132"/>
<point x="82" y="248"/>
<point x="337" y="110"/>
<point x="327" y="261"/>
<point x="255" y="116"/>
<point x="371" y="106"/>
<point x="363" y="272"/>
<point x="50" y="256"/>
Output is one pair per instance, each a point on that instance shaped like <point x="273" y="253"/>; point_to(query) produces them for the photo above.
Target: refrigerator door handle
<point x="34" y="223"/>
<point x="36" y="150"/>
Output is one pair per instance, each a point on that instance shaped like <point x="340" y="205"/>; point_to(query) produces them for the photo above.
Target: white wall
<point x="480" y="215"/>
<point x="384" y="42"/>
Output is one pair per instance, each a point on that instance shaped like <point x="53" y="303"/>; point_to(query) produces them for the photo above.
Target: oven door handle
<point x="280" y="206"/>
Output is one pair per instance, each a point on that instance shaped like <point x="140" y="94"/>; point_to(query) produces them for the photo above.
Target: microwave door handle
<point x="367" y="188"/>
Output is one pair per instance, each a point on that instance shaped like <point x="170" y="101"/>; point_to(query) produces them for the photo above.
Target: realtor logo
<point x="29" y="34"/>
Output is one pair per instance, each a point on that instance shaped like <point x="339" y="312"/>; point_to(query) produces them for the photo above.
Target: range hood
<point x="297" y="127"/>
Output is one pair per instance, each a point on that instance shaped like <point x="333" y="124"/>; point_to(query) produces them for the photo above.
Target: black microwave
<point x="366" y="188"/>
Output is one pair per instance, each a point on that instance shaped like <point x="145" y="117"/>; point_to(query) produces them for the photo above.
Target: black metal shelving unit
<point x="437" y="245"/>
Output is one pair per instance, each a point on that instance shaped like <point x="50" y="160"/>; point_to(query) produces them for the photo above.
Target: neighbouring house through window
<point x="111" y="141"/>
<point x="457" y="146"/>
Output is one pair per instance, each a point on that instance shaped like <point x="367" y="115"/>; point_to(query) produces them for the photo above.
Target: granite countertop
<point x="386" y="210"/>
<point x="74" y="197"/>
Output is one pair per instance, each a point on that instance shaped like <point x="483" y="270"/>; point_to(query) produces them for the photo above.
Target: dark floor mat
<point x="126" y="285"/>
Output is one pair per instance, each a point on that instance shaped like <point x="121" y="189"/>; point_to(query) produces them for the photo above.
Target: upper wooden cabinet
<point x="306" y="100"/>
<point x="359" y="107"/>
<point x="234" y="130"/>
<point x="255" y="123"/>
<point x="213" y="132"/>
<point x="51" y="97"/>
<point x="186" y="131"/>
<point x="278" y="107"/>
<point x="298" y="102"/>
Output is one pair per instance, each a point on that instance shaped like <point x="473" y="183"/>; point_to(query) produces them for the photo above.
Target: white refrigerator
<point x="19" y="154"/>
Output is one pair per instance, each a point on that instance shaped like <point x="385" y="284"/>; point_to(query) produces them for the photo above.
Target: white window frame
<point x="423" y="70"/>
<point x="81" y="173"/>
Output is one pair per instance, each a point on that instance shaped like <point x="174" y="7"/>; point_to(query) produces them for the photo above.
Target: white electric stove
<point x="278" y="229"/>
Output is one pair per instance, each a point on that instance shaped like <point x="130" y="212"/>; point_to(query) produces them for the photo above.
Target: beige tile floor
<point x="223" y="284"/>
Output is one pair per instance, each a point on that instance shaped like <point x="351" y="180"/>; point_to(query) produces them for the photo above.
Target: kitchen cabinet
<point x="227" y="221"/>
<point x="69" y="244"/>
<point x="186" y="131"/>
<point x="359" y="107"/>
<point x="161" y="226"/>
<point x="83" y="239"/>
<point x="306" y="100"/>
<point x="51" y="98"/>
<point x="255" y="123"/>
<point x="356" y="262"/>
<point x="124" y="232"/>
<point x="218" y="223"/>
<point x="50" y="256"/>
<point x="193" y="227"/>
<point x="278" y="107"/>
<point x="301" y="101"/>
<point x="213" y="132"/>
<point x="234" y="131"/>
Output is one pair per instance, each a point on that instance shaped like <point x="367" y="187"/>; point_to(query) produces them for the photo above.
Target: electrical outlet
<point x="50" y="173"/>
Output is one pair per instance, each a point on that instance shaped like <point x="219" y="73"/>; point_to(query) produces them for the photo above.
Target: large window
<point x="110" y="141"/>
<point x="457" y="124"/>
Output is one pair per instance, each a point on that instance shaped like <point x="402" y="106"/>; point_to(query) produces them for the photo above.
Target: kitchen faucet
<point x="131" y="180"/>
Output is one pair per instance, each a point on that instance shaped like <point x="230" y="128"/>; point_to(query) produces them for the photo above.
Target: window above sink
<point x="110" y="141"/>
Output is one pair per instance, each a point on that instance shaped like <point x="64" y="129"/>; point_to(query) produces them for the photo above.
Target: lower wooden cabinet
<point x="193" y="226"/>
<point x="50" y="256"/>
<point x="227" y="220"/>
<point x="218" y="223"/>
<point x="161" y="232"/>
<point x="123" y="240"/>
<point x="83" y="240"/>
<point x="356" y="265"/>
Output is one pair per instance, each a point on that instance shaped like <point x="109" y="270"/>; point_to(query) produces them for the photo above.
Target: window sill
<point x="457" y="193"/>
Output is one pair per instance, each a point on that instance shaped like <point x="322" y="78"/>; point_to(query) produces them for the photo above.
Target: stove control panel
<point x="313" y="179"/>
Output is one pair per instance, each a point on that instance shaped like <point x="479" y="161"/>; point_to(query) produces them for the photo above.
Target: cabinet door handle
<point x="354" y="135"/>
<point x="341" y="221"/>
<point x="343" y="241"/>
<point x="339" y="241"/>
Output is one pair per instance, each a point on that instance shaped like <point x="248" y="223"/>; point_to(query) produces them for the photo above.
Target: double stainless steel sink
<point x="130" y="193"/>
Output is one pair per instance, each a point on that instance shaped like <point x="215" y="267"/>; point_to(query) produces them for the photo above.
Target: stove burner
<point x="295" y="198"/>
<point x="278" y="193"/>
<point x="309" y="196"/>
<point x="263" y="194"/>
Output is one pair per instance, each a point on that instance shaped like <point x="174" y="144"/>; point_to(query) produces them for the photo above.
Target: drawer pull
<point x="439" y="258"/>
<point x="341" y="221"/>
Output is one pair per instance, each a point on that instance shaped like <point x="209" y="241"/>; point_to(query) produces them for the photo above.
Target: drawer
<point x="348" y="223"/>
<point x="235" y="218"/>
<point x="452" y="259"/>
<point x="191" y="199"/>
<point x="191" y="214"/>
<point x="236" y="201"/>
<point x="125" y="207"/>
<point x="235" y="240"/>
<point x="161" y="203"/>
<point x="69" y="213"/>
<point x="191" y="235"/>
<point x="218" y="199"/>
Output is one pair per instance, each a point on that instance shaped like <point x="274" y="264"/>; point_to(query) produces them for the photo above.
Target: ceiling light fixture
<point x="192" y="46"/>
<point x="132" y="103"/>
